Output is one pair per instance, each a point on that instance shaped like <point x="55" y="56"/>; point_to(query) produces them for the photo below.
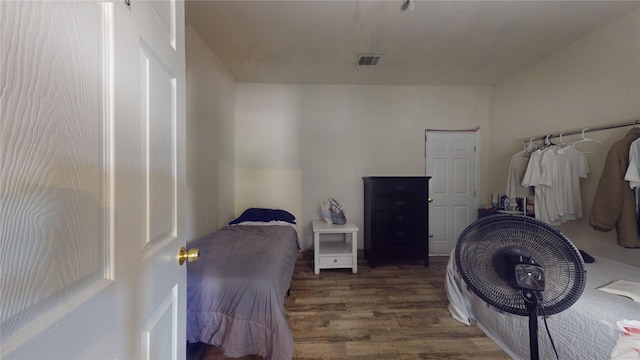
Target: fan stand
<point x="531" y="303"/>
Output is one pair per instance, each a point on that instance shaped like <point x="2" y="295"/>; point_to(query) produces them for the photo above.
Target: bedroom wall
<point x="595" y="81"/>
<point x="210" y="139"/>
<point x="298" y="143"/>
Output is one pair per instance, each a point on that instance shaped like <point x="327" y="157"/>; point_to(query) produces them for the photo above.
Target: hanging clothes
<point x="633" y="176"/>
<point x="614" y="203"/>
<point x="633" y="170"/>
<point x="517" y="168"/>
<point x="555" y="173"/>
<point x="532" y="177"/>
<point x="562" y="169"/>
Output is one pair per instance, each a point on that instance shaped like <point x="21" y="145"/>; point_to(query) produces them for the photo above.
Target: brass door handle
<point x="430" y="199"/>
<point x="189" y="255"/>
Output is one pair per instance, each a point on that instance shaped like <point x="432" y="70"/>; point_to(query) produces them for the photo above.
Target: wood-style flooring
<point x="393" y="311"/>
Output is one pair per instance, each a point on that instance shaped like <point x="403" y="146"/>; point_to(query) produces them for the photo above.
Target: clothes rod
<point x="585" y="130"/>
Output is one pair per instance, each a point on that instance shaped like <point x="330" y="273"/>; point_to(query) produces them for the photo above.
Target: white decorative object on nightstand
<point x="333" y="254"/>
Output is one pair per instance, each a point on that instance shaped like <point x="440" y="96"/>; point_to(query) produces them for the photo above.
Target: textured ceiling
<point x="436" y="43"/>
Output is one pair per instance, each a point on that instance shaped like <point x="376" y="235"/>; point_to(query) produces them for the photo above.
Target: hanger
<point x="562" y="141"/>
<point x="561" y="148"/>
<point x="547" y="142"/>
<point x="528" y="144"/>
<point x="528" y="147"/>
<point x="585" y="139"/>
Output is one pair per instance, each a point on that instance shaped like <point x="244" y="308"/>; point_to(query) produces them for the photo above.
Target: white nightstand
<point x="332" y="254"/>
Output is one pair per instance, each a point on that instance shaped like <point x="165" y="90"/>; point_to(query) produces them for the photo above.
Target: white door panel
<point x="451" y="163"/>
<point x="155" y="41"/>
<point x="157" y="121"/>
<point x="92" y="143"/>
<point x="56" y="224"/>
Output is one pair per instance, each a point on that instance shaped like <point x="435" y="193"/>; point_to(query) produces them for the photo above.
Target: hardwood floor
<point x="393" y="311"/>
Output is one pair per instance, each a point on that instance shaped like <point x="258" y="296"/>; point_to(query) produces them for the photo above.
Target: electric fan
<point x="522" y="266"/>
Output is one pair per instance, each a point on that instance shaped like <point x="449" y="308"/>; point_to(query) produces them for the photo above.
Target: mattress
<point x="584" y="331"/>
<point x="235" y="292"/>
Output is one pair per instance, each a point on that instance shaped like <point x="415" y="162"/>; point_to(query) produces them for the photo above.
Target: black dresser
<point x="396" y="218"/>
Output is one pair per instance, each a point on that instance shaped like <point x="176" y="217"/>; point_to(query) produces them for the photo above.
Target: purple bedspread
<point x="235" y="292"/>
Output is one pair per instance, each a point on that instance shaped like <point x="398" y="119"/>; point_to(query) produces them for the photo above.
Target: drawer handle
<point x="399" y="202"/>
<point x="335" y="260"/>
<point x="399" y="187"/>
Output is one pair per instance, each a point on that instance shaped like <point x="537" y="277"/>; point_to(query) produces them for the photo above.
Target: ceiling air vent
<point x="368" y="60"/>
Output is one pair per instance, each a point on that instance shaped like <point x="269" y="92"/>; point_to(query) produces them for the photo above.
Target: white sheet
<point x="580" y="332"/>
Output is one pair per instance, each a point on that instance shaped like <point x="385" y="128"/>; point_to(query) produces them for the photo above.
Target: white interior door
<point x="92" y="170"/>
<point x="451" y="162"/>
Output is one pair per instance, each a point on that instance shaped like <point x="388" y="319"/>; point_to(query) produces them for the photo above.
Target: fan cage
<point x="563" y="265"/>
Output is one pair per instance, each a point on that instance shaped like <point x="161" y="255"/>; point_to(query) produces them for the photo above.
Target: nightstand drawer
<point x="336" y="261"/>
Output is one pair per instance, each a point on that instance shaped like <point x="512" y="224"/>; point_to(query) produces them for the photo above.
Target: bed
<point x="584" y="331"/>
<point x="236" y="291"/>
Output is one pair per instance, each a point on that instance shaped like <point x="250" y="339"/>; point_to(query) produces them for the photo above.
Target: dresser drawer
<point x="413" y="234"/>
<point x="404" y="251"/>
<point x="400" y="187"/>
<point x="400" y="219"/>
<point x="400" y="202"/>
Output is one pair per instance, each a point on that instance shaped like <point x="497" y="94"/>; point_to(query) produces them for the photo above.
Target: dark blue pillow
<point x="264" y="215"/>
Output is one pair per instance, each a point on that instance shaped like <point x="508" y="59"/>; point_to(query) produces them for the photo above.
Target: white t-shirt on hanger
<point x="532" y="178"/>
<point x="562" y="170"/>
<point x="633" y="171"/>
<point x="517" y="169"/>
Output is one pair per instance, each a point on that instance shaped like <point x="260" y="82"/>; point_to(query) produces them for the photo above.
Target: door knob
<point x="189" y="255"/>
<point x="430" y="199"/>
